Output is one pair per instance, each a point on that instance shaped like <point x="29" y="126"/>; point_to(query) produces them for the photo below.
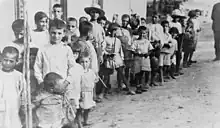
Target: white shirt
<point x="56" y="58"/>
<point x="40" y="39"/>
<point x="178" y="26"/>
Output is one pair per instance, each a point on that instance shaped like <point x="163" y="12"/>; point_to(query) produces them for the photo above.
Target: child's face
<point x="155" y="19"/>
<point x="19" y="35"/>
<point x="174" y="35"/>
<point x="176" y="19"/>
<point x="76" y="55"/>
<point x="143" y="22"/>
<point x="166" y="28"/>
<point x="143" y="34"/>
<point x="71" y="25"/>
<point x="56" y="35"/>
<point x="42" y="24"/>
<point x="125" y="22"/>
<point x="102" y="23"/>
<point x="9" y="61"/>
<point x="90" y="35"/>
<point x="85" y="62"/>
<point x="32" y="60"/>
<point x="57" y="13"/>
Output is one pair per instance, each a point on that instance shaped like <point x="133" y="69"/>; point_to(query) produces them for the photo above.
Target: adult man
<point x="98" y="32"/>
<point x="216" y="29"/>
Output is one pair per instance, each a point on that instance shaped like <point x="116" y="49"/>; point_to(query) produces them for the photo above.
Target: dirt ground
<point x="190" y="101"/>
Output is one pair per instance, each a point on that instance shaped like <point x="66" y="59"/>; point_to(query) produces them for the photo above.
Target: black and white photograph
<point x="110" y="64"/>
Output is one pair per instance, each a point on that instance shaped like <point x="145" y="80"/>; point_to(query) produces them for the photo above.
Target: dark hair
<point x="143" y="19"/>
<point x="10" y="50"/>
<point x="50" y="80"/>
<point x="83" y="17"/>
<point x="71" y="19"/>
<point x="85" y="27"/>
<point x="76" y="47"/>
<point x="142" y="28"/>
<point x="112" y="27"/>
<point x="39" y="15"/>
<point x="59" y="24"/>
<point x="57" y="6"/>
<point x="174" y="30"/>
<point x="164" y="22"/>
<point x="33" y="51"/>
<point x="84" y="54"/>
<point x="18" y="25"/>
<point x="125" y="16"/>
<point x="102" y="18"/>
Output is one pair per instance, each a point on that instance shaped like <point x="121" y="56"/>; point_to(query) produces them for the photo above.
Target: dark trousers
<point x="217" y="44"/>
<point x="179" y="52"/>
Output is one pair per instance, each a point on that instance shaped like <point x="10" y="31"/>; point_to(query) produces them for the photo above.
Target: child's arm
<point x="71" y="63"/>
<point x="38" y="67"/>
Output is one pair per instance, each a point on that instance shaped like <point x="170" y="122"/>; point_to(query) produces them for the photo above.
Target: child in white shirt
<point x="11" y="89"/>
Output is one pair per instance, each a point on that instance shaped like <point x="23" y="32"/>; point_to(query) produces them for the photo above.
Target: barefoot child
<point x="11" y="88"/>
<point x="49" y="103"/>
<point x="114" y="53"/>
<point x="89" y="78"/>
<point x="141" y="50"/>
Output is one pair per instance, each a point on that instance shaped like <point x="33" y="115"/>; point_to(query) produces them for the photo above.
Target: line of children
<point x="67" y="75"/>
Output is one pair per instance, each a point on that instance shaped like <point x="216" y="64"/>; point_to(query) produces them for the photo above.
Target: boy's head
<point x="85" y="60"/>
<point x="143" y="21"/>
<point x="125" y="20"/>
<point x="165" y="25"/>
<point x="18" y="28"/>
<point x="155" y="18"/>
<point x="53" y="82"/>
<point x="57" y="11"/>
<point x="57" y="30"/>
<point x="41" y="20"/>
<point x="114" y="30"/>
<point x="83" y="18"/>
<point x="33" y="54"/>
<point x="85" y="29"/>
<point x="174" y="32"/>
<point x="9" y="58"/>
<point x="76" y="50"/>
<point x="102" y="21"/>
<point x="143" y="32"/>
<point x="71" y="24"/>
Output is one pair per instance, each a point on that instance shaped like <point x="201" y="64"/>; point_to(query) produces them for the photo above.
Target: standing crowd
<point x="71" y="62"/>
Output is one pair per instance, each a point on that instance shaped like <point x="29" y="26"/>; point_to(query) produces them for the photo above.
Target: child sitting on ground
<point x="11" y="89"/>
<point x="89" y="78"/>
<point x="141" y="50"/>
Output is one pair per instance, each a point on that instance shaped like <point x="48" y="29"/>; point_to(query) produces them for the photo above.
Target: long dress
<point x="11" y="86"/>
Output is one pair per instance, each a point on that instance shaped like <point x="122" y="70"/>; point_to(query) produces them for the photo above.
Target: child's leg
<point x="190" y="57"/>
<point x="172" y="70"/>
<point x="85" y="116"/>
<point x="138" y="77"/>
<point x="185" y="59"/>
<point x="123" y="78"/>
<point x="78" y="118"/>
<point x="153" y="78"/>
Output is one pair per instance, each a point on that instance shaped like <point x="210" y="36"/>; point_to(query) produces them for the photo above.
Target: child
<point x="114" y="56"/>
<point x="49" y="103"/>
<point x="102" y="21"/>
<point x="189" y="43"/>
<point x="55" y="57"/>
<point x="57" y="11"/>
<point x="11" y="89"/>
<point x="40" y="35"/>
<point x="173" y="50"/>
<point x="164" y="59"/>
<point x="72" y="33"/>
<point x="141" y="50"/>
<point x="33" y="81"/>
<point x="155" y="36"/>
<point x="89" y="78"/>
